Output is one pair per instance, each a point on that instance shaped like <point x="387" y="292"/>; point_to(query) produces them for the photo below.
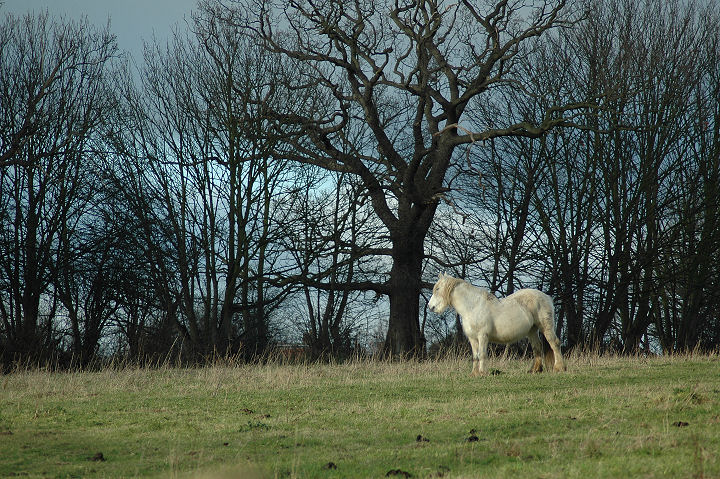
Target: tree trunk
<point x="404" y="335"/>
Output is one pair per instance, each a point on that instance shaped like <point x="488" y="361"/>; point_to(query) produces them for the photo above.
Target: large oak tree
<point x="404" y="74"/>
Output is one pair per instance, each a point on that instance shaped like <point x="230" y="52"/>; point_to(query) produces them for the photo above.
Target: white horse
<point x="486" y="318"/>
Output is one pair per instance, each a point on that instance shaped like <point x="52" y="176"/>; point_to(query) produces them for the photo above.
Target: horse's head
<point x="440" y="299"/>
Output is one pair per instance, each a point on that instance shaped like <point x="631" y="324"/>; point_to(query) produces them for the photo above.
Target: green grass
<point x="605" y="417"/>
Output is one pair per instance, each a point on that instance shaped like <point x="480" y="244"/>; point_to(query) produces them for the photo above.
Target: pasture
<point x="604" y="417"/>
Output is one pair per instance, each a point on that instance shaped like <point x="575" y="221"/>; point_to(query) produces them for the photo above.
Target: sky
<point x="132" y="21"/>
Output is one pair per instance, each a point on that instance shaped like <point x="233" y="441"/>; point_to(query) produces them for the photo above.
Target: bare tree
<point x="641" y="165"/>
<point x="200" y="145"/>
<point x="327" y="228"/>
<point x="55" y="98"/>
<point x="611" y="200"/>
<point x="687" y="308"/>
<point x="607" y="216"/>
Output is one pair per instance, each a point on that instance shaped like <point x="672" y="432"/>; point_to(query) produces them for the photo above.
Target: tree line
<point x="300" y="173"/>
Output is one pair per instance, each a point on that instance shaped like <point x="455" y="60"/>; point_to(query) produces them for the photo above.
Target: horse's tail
<point x="548" y="354"/>
<point x="547" y="315"/>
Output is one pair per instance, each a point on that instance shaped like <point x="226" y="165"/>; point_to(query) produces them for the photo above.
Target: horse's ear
<point x="440" y="276"/>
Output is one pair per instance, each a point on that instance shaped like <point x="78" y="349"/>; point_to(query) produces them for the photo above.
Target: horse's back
<point x="537" y="303"/>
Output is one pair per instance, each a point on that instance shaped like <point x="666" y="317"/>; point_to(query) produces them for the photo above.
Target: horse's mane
<point x="445" y="287"/>
<point x="447" y="284"/>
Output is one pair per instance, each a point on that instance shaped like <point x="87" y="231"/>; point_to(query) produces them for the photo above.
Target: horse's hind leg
<point x="536" y="345"/>
<point x="555" y="346"/>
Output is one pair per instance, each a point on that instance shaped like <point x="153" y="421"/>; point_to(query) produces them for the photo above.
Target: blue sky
<point x="131" y="20"/>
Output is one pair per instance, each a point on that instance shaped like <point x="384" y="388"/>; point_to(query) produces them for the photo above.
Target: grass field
<point x="605" y="417"/>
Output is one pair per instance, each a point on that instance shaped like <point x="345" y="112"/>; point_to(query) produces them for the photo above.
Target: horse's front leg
<point x="474" y="346"/>
<point x="480" y="356"/>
